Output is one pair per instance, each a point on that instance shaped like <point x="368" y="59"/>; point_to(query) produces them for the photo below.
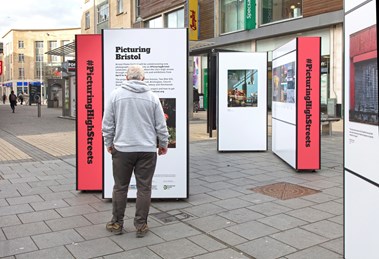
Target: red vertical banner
<point x="89" y="94"/>
<point x="308" y="103"/>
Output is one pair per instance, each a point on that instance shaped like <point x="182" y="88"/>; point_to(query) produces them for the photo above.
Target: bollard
<point x="39" y="109"/>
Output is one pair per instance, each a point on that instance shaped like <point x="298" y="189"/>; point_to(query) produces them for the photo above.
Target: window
<point x="154" y="23"/>
<point x="39" y="44"/>
<point x="103" y="13"/>
<point x="120" y="8"/>
<point x="175" y="19"/>
<point x="138" y="8"/>
<point x="21" y="44"/>
<point x="276" y="10"/>
<point x="21" y="73"/>
<point x="53" y="44"/>
<point x="232" y="15"/>
<point x="87" y="20"/>
<point x="21" y="58"/>
<point x="39" y="57"/>
<point x="39" y="51"/>
<point x="39" y="72"/>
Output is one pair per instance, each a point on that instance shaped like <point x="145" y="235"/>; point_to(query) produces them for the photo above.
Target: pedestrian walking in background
<point x="133" y="121"/>
<point x="21" y="97"/>
<point x="13" y="101"/>
<point x="4" y="98"/>
<point x="196" y="100"/>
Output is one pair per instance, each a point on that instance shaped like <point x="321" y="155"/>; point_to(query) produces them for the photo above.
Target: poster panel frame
<point x="242" y="99"/>
<point x="89" y="108"/>
<point x="166" y="72"/>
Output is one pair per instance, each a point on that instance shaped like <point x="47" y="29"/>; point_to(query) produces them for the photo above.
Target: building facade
<point x="235" y="25"/>
<point x="25" y="60"/>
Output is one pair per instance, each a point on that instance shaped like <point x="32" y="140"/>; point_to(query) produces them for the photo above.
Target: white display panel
<point x="242" y="101"/>
<point x="361" y="218"/>
<point x="285" y="147"/>
<point x="284" y="108"/>
<point x="361" y="93"/>
<point x="165" y="64"/>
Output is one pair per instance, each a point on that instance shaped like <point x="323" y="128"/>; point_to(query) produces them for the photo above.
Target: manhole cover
<point x="167" y="218"/>
<point x="284" y="191"/>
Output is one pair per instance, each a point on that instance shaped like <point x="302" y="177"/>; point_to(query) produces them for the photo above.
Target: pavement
<point x="241" y="204"/>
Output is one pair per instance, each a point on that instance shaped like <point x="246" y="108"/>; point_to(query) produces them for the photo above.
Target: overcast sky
<point x="41" y="14"/>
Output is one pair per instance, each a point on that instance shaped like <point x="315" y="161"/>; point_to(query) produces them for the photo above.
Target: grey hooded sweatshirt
<point x="134" y="118"/>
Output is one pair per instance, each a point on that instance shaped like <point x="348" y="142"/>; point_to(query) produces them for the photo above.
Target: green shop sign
<point x="250" y="14"/>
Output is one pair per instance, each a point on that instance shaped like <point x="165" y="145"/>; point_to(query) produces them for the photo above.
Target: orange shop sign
<point x="193" y="19"/>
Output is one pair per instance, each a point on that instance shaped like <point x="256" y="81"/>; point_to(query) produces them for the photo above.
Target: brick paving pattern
<point x="43" y="216"/>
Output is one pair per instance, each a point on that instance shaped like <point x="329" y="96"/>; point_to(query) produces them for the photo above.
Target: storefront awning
<point x="67" y="50"/>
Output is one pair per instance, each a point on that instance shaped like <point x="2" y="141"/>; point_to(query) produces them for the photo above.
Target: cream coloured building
<point x="24" y="58"/>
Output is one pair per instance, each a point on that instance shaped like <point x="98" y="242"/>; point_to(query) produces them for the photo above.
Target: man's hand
<point x="162" y="150"/>
<point x="110" y="149"/>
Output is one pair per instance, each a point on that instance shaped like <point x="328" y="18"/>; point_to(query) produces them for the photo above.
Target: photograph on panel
<point x="169" y="109"/>
<point x="243" y="88"/>
<point x="284" y="83"/>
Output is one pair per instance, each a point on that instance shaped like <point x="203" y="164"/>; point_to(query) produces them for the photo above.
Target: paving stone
<point x="266" y="247"/>
<point x="325" y="228"/>
<point x="36" y="190"/>
<point x="128" y="241"/>
<point x="43" y="183"/>
<point x="228" y="237"/>
<point x="94" y="248"/>
<point x="67" y="223"/>
<point x="24" y="230"/>
<point x="315" y="253"/>
<point x="24" y="199"/>
<point x="181" y="248"/>
<point x="9" y="220"/>
<point x="299" y="238"/>
<point x="269" y="208"/>
<point x="75" y="210"/>
<point x="296" y="203"/>
<point x="233" y="203"/>
<point x="225" y="253"/>
<point x="57" y="196"/>
<point x="210" y="223"/>
<point x="252" y="230"/>
<point x="309" y="214"/>
<point x="99" y="217"/>
<point x="38" y="216"/>
<point x="62" y="187"/>
<point x="134" y="254"/>
<point x="335" y="245"/>
<point x="47" y="205"/>
<point x="319" y="197"/>
<point x="204" y="210"/>
<point x="282" y="221"/>
<point x="56" y="252"/>
<point x="330" y="207"/>
<point x="201" y="198"/>
<point x="16" y="246"/>
<point x="93" y="231"/>
<point x="174" y="231"/>
<point x="207" y="242"/>
<point x="257" y="198"/>
<point x="58" y="238"/>
<point x="15" y="209"/>
<point x="338" y="219"/>
<point x="241" y="215"/>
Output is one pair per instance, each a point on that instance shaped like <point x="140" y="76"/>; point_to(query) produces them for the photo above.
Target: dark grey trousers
<point x="124" y="163"/>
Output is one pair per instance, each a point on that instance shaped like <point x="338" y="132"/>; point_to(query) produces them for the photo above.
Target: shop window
<point x="175" y="19"/>
<point x="277" y="10"/>
<point x="232" y="15"/>
<point x="154" y="23"/>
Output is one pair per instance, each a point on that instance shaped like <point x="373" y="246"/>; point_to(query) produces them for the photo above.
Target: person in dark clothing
<point x="196" y="100"/>
<point x="13" y="101"/>
<point x="4" y="98"/>
<point x="21" y="97"/>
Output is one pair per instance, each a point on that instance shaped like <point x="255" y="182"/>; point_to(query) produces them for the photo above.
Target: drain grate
<point x="167" y="218"/>
<point x="284" y="191"/>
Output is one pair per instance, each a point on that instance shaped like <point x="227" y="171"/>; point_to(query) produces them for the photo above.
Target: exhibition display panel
<point x="165" y="63"/>
<point x="361" y="131"/>
<point x="89" y="112"/>
<point x="296" y="103"/>
<point x="242" y="101"/>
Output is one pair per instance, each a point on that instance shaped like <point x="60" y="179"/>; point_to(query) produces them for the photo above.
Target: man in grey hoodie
<point x="133" y="120"/>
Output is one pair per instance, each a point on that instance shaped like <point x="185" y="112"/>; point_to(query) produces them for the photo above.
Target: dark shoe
<point x="141" y="232"/>
<point x="114" y="227"/>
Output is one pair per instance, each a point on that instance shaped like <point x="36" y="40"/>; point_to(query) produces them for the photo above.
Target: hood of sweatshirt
<point x="136" y="86"/>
